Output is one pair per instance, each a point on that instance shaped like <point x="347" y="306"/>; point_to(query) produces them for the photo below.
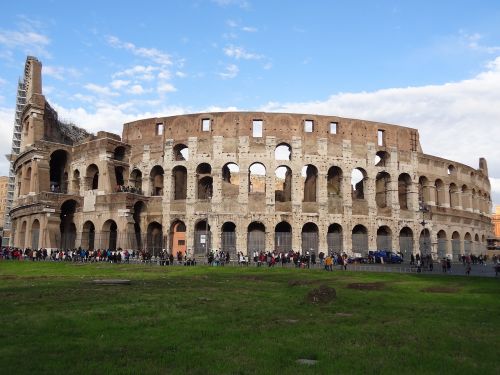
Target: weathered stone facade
<point x="264" y="181"/>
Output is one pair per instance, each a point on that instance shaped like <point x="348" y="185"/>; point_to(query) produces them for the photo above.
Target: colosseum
<point x="241" y="181"/>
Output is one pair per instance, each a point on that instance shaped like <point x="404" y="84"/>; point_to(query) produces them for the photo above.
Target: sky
<point x="431" y="65"/>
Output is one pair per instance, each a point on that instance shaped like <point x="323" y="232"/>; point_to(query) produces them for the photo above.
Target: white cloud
<point x="473" y="41"/>
<point x="27" y="38"/>
<point x="136" y="90"/>
<point x="249" y="29"/>
<point x="101" y="90"/>
<point x="60" y="72"/>
<point x="152" y="54"/>
<point x="6" y="128"/>
<point x="241" y="53"/>
<point x="229" y="72"/>
<point x="119" y="83"/>
<point x="244" y="4"/>
<point x="138" y="72"/>
<point x="165" y="87"/>
<point x="180" y="74"/>
<point x="459" y="120"/>
<point x="164" y="74"/>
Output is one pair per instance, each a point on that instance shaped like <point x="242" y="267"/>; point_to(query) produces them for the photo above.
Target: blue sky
<point x="433" y="65"/>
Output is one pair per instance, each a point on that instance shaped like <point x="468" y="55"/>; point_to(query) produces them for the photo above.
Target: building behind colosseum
<point x="241" y="181"/>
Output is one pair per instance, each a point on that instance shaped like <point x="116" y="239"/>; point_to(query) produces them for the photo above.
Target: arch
<point x="467" y="244"/>
<point x="439" y="185"/>
<point x="334" y="181"/>
<point x="76" y="181"/>
<point x="423" y="191"/>
<point x="138" y="215"/>
<point x="257" y="178"/>
<point x="154" y="238"/>
<point x="283" y="151"/>
<point x="310" y="238"/>
<point x="455" y="245"/>
<point x="28" y="179"/>
<point x="310" y="176"/>
<point x="384" y="238"/>
<point x="406" y="242"/>
<point x="35" y="234"/>
<point x="382" y="159"/>
<point x="358" y="179"/>
<point x="22" y="234"/>
<point x="179" y="181"/>
<point x="425" y="242"/>
<point x="136" y="180"/>
<point x="92" y="175"/>
<point x="283" y="184"/>
<point x="256" y="237"/>
<point x="382" y="189"/>
<point x="57" y="165"/>
<point x="110" y="234"/>
<point x="88" y="235"/>
<point x="204" y="169"/>
<point x="404" y="190"/>
<point x="230" y="180"/>
<point x="156" y="177"/>
<point x="442" y="245"/>
<point x="178" y="238"/>
<point x="181" y="152"/>
<point x="228" y="238"/>
<point x="334" y="238"/>
<point x="453" y="194"/>
<point x="451" y="171"/>
<point x="67" y="226"/>
<point x="476" y="247"/>
<point x="120" y="181"/>
<point x="360" y="239"/>
<point x="205" y="187"/>
<point x="202" y="237"/>
<point x="283" y="237"/>
<point x="119" y="153"/>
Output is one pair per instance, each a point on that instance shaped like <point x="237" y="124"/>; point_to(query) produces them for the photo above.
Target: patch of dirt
<point x="366" y="286"/>
<point x="441" y="289"/>
<point x="300" y="282"/>
<point x="322" y="294"/>
<point x="252" y="278"/>
<point x="343" y="314"/>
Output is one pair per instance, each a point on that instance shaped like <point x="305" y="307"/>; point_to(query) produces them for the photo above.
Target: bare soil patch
<point x="366" y="286"/>
<point x="322" y="294"/>
<point x="441" y="289"/>
<point x="300" y="282"/>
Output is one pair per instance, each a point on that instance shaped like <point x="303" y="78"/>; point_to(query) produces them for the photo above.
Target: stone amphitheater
<point x="241" y="181"/>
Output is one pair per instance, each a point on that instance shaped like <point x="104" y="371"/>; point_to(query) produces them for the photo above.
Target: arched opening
<point x="156" y="177"/>
<point x="110" y="234"/>
<point x="451" y="170"/>
<point x="467" y="244"/>
<point x="334" y="182"/>
<point x="22" y="235"/>
<point x="283" y="237"/>
<point x="119" y="153"/>
<point x="423" y="191"/>
<point x="404" y="186"/>
<point x="310" y="176"/>
<point x="425" y="242"/>
<point x="256" y="238"/>
<point x="382" y="189"/>
<point x="455" y="245"/>
<point x="310" y="238"/>
<point x="154" y="238"/>
<point x="476" y="248"/>
<point x="228" y="238"/>
<point x="92" y="175"/>
<point x="120" y="181"/>
<point x="204" y="181"/>
<point x="202" y="238"/>
<point x="230" y="180"/>
<point x="136" y="181"/>
<point x="384" y="238"/>
<point x="382" y="159"/>
<point x="181" y="152"/>
<point x="138" y="215"/>
<point x="179" y="180"/>
<point x="360" y="239"/>
<point x="406" y="242"/>
<point x="334" y="238"/>
<point x="178" y="238"/>
<point x="67" y="226"/>
<point x="442" y="245"/>
<point x="35" y="234"/>
<point x="76" y="181"/>
<point x="454" y="197"/>
<point x="57" y="165"/>
<point x="283" y="152"/>
<point x="439" y="185"/>
<point x="88" y="235"/>
<point x="257" y="178"/>
<point x="283" y="184"/>
<point x="358" y="179"/>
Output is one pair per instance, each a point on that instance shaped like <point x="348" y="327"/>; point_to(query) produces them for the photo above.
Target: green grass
<point x="202" y="320"/>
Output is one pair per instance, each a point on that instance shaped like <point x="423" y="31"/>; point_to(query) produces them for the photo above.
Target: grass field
<point x="202" y="320"/>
